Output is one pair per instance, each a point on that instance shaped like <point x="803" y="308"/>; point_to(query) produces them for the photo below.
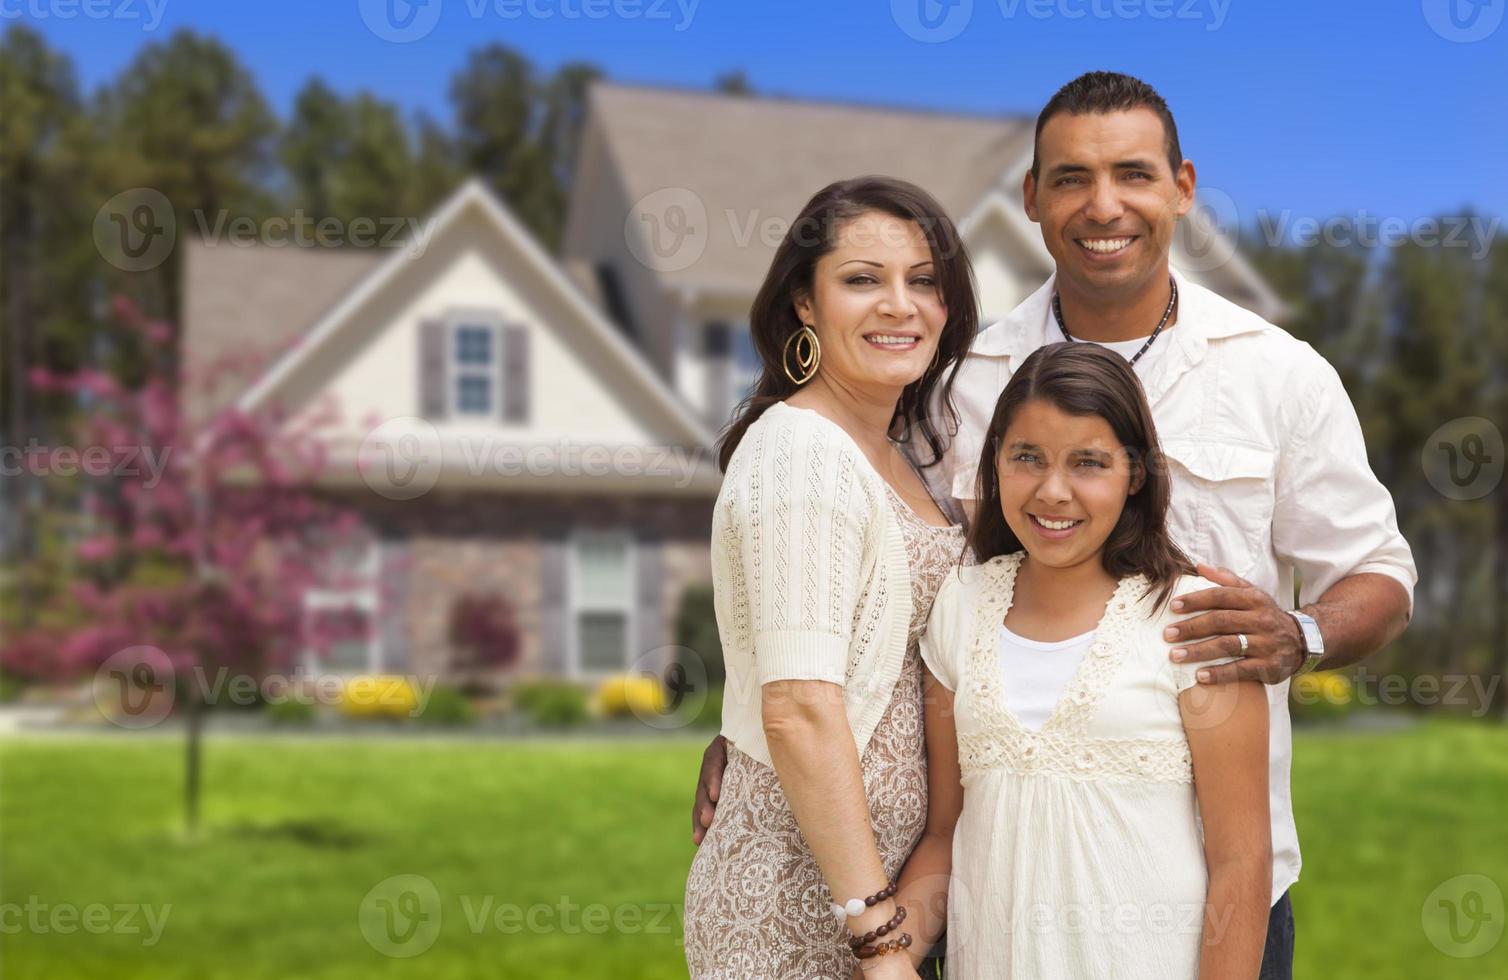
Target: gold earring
<point x="808" y="354"/>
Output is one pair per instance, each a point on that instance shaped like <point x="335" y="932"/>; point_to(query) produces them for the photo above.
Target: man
<point x="1269" y="470"/>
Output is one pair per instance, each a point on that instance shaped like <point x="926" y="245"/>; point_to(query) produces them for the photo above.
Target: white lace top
<point x="809" y="573"/>
<point x="1078" y="845"/>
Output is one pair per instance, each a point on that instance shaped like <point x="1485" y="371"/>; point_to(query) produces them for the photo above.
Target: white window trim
<point x="492" y="322"/>
<point x="364" y="597"/>
<point x="578" y="605"/>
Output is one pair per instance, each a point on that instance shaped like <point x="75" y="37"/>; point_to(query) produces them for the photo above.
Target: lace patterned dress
<point x="1078" y="850"/>
<point x="756" y="902"/>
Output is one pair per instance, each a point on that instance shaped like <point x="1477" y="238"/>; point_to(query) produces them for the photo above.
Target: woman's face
<point x="875" y="304"/>
<point x="1064" y="480"/>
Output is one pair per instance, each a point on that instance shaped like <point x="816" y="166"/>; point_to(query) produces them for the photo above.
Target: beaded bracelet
<point x="856" y="906"/>
<point x="854" y="942"/>
<point x="903" y="941"/>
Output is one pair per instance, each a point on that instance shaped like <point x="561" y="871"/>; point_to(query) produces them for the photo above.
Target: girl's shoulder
<point x="998" y="574"/>
<point x="1164" y="613"/>
<point x="968" y="587"/>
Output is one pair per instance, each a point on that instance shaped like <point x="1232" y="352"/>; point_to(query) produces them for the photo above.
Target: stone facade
<point x="453" y="543"/>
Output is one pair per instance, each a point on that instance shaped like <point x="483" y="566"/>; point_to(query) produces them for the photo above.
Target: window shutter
<point x="554" y="605"/>
<point x="392" y="605"/>
<point x="515" y="373"/>
<point x="433" y="397"/>
<point x="650" y="579"/>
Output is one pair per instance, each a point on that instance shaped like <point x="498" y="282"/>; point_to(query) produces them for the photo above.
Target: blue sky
<point x="1316" y="107"/>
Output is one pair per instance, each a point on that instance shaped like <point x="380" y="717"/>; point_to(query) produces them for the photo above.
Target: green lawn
<point x="299" y="833"/>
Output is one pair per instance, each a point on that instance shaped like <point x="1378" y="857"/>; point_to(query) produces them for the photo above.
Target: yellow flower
<point x="624" y="694"/>
<point x="378" y="696"/>
<point x="1327" y="688"/>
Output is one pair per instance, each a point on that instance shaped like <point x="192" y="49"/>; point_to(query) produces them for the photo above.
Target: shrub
<point x="551" y="703"/>
<point x="483" y="631"/>
<point x="291" y="711"/>
<point x="447" y="706"/>
<point x="711" y="715"/>
<point x="696" y="630"/>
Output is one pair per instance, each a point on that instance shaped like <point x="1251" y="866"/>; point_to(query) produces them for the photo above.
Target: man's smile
<point x="1106" y="246"/>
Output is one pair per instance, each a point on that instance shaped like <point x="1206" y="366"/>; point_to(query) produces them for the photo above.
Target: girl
<point x="1103" y="815"/>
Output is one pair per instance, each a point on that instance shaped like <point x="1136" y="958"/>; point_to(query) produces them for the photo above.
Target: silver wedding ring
<point x="1244" y="643"/>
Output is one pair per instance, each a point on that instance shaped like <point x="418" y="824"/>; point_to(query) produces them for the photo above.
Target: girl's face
<point x="875" y="303"/>
<point x="1064" y="480"/>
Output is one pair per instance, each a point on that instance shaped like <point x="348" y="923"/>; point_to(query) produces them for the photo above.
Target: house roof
<point x="296" y="303"/>
<point x="248" y="304"/>
<point x="751" y="159"/>
<point x="747" y="159"/>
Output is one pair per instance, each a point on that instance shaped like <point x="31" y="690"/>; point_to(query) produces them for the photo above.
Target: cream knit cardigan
<point x="809" y="571"/>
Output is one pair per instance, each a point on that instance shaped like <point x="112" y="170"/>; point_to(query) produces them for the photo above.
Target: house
<point x="679" y="198"/>
<point x="540" y="427"/>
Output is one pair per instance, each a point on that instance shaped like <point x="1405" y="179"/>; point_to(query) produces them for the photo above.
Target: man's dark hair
<point x="1099" y="92"/>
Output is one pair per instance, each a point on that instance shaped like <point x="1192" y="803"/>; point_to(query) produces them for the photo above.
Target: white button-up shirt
<point x="1269" y="470"/>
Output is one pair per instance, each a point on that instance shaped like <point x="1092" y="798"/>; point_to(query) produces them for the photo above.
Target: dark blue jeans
<point x="1277" y="957"/>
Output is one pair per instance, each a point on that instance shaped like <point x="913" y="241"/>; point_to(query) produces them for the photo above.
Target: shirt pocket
<point x="1223" y="495"/>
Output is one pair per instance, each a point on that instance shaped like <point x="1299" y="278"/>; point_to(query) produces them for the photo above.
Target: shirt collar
<point x="1202" y="316"/>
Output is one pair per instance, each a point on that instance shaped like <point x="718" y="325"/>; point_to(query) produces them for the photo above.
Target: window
<point x="602" y="591"/>
<point x="474" y="368"/>
<point x="746" y="363"/>
<point x="732" y="367"/>
<point x="342" y="612"/>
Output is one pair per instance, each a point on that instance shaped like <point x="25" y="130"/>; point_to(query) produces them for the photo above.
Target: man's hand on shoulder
<point x="1274" y="644"/>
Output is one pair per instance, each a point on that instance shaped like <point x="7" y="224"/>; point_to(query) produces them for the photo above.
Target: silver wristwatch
<point x="1314" y="641"/>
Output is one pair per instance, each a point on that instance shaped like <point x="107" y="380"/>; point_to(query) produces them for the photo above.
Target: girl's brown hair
<point x="773" y="320"/>
<point x="1087" y="379"/>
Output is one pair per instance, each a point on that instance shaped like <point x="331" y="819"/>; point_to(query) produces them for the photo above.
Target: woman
<point x="827" y="550"/>
<point x="1087" y="761"/>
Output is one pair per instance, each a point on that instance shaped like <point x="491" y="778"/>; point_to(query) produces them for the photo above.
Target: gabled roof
<point x="244" y="303"/>
<point x="751" y="159"/>
<point x="239" y="292"/>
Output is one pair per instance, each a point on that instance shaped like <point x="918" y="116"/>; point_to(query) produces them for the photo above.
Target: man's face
<point x="1107" y="200"/>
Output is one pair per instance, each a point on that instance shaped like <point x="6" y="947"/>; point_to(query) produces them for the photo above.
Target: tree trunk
<point x="192" y="764"/>
<point x="1498" y="633"/>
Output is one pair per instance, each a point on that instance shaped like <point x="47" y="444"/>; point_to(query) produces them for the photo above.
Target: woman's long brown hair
<point x="1087" y="379"/>
<point x="773" y="320"/>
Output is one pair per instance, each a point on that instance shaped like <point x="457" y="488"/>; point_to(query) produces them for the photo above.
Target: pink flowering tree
<point x="205" y="535"/>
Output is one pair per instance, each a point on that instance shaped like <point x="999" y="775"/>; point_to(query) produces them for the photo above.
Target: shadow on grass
<point x="320" y="835"/>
